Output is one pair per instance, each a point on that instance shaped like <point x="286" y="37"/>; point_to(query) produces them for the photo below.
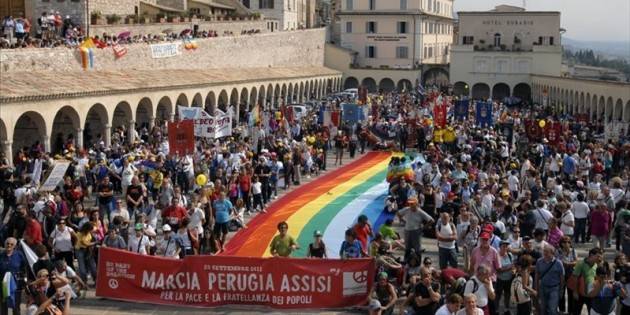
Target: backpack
<point x="460" y="289"/>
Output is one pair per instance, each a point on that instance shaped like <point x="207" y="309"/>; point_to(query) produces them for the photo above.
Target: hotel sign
<point x="387" y="38"/>
<point x="508" y="22"/>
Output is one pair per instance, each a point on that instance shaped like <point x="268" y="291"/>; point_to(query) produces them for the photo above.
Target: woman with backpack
<point x="522" y="287"/>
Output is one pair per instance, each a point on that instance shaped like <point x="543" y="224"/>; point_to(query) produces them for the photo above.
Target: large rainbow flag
<point x="330" y="204"/>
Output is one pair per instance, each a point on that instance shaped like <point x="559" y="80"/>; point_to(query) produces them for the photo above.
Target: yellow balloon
<point x="201" y="180"/>
<point x="542" y="123"/>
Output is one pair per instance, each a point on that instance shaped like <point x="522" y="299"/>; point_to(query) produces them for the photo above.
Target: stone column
<point x="79" y="139"/>
<point x="7" y="148"/>
<point x="107" y="135"/>
<point x="132" y="131"/>
<point x="171" y="117"/>
<point x="237" y="112"/>
<point x="46" y="142"/>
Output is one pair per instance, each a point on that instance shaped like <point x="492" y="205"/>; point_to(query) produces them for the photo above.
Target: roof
<point x="214" y="4"/>
<point x="161" y="7"/>
<point x="392" y="12"/>
<point x="509" y="12"/>
<point x="44" y="85"/>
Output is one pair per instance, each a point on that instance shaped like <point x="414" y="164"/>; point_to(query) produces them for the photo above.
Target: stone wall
<point x="175" y="4"/>
<point x="279" y="49"/>
<point x="156" y="28"/>
<point x="121" y="8"/>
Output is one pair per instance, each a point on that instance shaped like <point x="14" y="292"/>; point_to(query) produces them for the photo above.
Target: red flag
<point x="335" y="117"/>
<point x="439" y="113"/>
<point x="181" y="137"/>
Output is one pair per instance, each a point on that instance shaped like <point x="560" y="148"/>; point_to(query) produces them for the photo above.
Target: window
<point x="430" y="52"/>
<point x="370" y="27"/>
<point x="370" y="52"/>
<point x="430" y="28"/>
<point x="402" y="52"/>
<point x="426" y="52"/>
<point x="403" y="4"/>
<point x="430" y="5"/>
<point x="402" y="27"/>
<point x="497" y="40"/>
<point x="348" y="27"/>
<point x="551" y="40"/>
<point x="349" y="4"/>
<point x="372" y="4"/>
<point x="266" y="4"/>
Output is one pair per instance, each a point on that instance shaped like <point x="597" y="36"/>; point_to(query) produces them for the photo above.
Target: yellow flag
<point x="88" y="43"/>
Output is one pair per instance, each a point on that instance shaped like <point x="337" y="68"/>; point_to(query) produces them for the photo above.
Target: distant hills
<point x="607" y="49"/>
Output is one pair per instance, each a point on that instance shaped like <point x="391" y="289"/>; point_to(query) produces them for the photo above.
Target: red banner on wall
<point x="208" y="281"/>
<point x="181" y="137"/>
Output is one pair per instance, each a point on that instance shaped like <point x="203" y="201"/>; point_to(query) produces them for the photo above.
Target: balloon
<point x="201" y="180"/>
<point x="542" y="123"/>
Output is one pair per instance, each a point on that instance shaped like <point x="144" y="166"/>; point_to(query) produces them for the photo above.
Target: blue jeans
<point x="549" y="298"/>
<point x="447" y="257"/>
<point x="86" y="261"/>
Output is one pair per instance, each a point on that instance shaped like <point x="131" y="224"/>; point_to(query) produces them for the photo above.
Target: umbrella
<point x="124" y="34"/>
<point x="185" y="32"/>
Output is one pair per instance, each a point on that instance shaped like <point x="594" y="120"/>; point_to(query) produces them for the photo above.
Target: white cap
<point x="166" y="228"/>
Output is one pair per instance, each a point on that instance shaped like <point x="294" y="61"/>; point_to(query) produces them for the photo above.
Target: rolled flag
<point x="9" y="287"/>
<point x="31" y="258"/>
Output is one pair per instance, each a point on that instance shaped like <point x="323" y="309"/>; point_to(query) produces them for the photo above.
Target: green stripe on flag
<point x="321" y="220"/>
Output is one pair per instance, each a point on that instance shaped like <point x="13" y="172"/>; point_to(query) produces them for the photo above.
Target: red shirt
<point x="450" y="274"/>
<point x="246" y="183"/>
<point x="174" y="214"/>
<point x="33" y="233"/>
<point x="363" y="233"/>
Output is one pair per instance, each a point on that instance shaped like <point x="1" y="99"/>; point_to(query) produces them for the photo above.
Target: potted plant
<point x="145" y="19"/>
<point x="173" y="18"/>
<point x="256" y="15"/>
<point x="481" y="41"/>
<point x="184" y="18"/>
<point x="130" y="19"/>
<point x="503" y="47"/>
<point x="97" y="18"/>
<point x="113" y="19"/>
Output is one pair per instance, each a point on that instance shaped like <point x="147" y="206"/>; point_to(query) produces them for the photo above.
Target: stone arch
<point x="65" y="128"/>
<point x="581" y="103"/>
<point x="244" y="99"/>
<point x="144" y="113"/>
<point x="164" y="109"/>
<point x="387" y="85"/>
<point x="210" y="103"/>
<point x="284" y="93"/>
<point x="223" y="102"/>
<point x="96" y="125"/>
<point x="609" y="109"/>
<point x="594" y="107"/>
<point x="270" y="93"/>
<point x="500" y="91"/>
<point x="523" y="91"/>
<point x="601" y="109"/>
<point x="351" y="83"/>
<point x="290" y="93"/>
<point x="481" y="91"/>
<point x="301" y="92"/>
<point x="276" y="96"/>
<point x="461" y="89"/>
<point x="182" y="100"/>
<point x="322" y="88"/>
<point x="330" y="85"/>
<point x="30" y="129"/>
<point x="314" y="88"/>
<point x="618" y="111"/>
<point x="405" y="85"/>
<point x="370" y="84"/>
<point x="253" y="98"/>
<point x="296" y="93"/>
<point x="122" y="115"/>
<point x="197" y="100"/>
<point x="435" y="76"/>
<point x="4" y="141"/>
<point x="626" y="113"/>
<point x="262" y="96"/>
<point x="234" y="97"/>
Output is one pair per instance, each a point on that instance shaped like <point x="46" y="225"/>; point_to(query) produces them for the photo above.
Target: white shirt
<point x="445" y="231"/>
<point x="481" y="293"/>
<point x="132" y="245"/>
<point x="256" y="188"/>
<point x="542" y="217"/>
<point x="62" y="240"/>
<point x="580" y="209"/>
<point x="127" y="174"/>
<point x="513" y="183"/>
<point x="443" y="310"/>
<point x="196" y="219"/>
<point x="567" y="217"/>
<point x="168" y="247"/>
<point x="478" y="311"/>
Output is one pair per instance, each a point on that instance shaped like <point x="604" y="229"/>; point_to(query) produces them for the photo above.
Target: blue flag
<point x="461" y="110"/>
<point x="484" y="114"/>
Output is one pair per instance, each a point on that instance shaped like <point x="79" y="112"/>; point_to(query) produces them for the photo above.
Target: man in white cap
<point x="169" y="247"/>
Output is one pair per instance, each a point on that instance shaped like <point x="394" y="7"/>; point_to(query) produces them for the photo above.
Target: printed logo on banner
<point x="355" y="283"/>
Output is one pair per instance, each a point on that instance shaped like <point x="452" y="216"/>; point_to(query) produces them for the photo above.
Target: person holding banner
<point x="282" y="245"/>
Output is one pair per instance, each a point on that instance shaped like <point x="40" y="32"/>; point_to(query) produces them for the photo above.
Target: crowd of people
<point x="53" y="30"/>
<point x="521" y="225"/>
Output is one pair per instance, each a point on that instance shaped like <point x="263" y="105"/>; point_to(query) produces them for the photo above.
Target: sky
<point x="593" y="20"/>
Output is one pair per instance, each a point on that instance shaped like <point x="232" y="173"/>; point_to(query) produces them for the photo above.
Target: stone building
<point x="46" y="96"/>
<point x="392" y="44"/>
<point x="285" y="14"/>
<point x="498" y="51"/>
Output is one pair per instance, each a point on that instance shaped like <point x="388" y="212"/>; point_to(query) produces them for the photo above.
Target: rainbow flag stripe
<point x="330" y="204"/>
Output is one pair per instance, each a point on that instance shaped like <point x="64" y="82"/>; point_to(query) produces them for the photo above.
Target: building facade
<point x="396" y="38"/>
<point x="498" y="51"/>
<point x="285" y="14"/>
